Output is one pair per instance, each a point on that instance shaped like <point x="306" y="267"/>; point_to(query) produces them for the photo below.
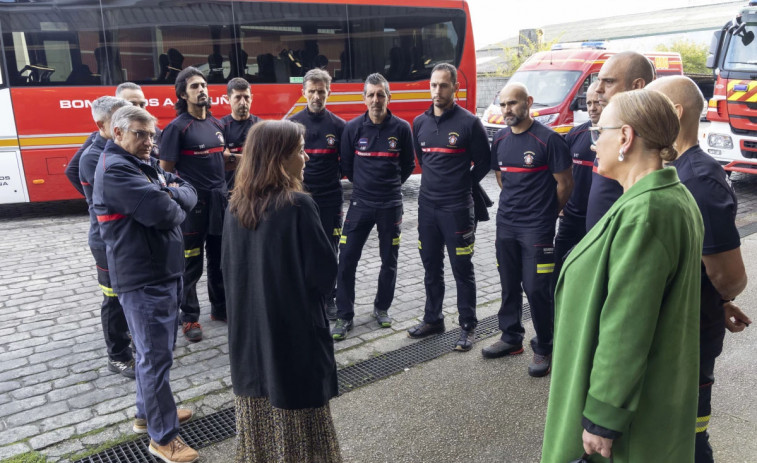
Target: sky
<point x="496" y="20"/>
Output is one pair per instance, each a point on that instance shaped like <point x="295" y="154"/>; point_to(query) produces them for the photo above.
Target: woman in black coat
<point x="278" y="268"/>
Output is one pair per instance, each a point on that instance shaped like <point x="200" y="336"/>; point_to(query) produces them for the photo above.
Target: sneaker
<point x="501" y="349"/>
<point x="423" y="329"/>
<point x="382" y="317"/>
<point x="340" y="329"/>
<point x="331" y="309"/>
<point x="192" y="331"/>
<point x="176" y="451"/>
<point x="122" y="368"/>
<point x="540" y="365"/>
<point x="465" y="342"/>
<point x="140" y="424"/>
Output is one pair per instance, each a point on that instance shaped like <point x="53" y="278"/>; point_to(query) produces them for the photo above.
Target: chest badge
<point x="528" y="158"/>
<point x="393" y="143"/>
<point x="330" y="140"/>
<point x="362" y="144"/>
<point x="220" y="137"/>
<point x="452" y="139"/>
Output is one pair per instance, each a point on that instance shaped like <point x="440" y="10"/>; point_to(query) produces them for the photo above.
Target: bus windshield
<point x="742" y="56"/>
<point x="549" y="88"/>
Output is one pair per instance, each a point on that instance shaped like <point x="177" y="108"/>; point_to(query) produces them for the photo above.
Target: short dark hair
<point x="237" y="83"/>
<point x="376" y="79"/>
<point x="316" y="75"/>
<point x="181" y="87"/>
<point x="449" y="68"/>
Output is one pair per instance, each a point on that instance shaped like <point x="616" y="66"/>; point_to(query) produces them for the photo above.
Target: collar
<point x="445" y="115"/>
<point x="367" y="119"/>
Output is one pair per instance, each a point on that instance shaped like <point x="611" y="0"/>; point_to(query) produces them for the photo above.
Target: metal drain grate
<point x="220" y="426"/>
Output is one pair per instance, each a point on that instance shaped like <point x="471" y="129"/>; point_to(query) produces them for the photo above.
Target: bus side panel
<point x="12" y="184"/>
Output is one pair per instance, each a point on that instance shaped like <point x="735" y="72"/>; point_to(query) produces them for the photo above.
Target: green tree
<point x="515" y="56"/>
<point x="693" y="55"/>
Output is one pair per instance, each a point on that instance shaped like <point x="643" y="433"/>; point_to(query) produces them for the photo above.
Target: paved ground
<point x="57" y="396"/>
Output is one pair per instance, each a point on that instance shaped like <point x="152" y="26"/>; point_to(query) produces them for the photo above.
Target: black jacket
<point x="139" y="220"/>
<point x="277" y="278"/>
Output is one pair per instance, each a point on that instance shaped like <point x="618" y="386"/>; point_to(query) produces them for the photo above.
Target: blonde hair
<point x="653" y="119"/>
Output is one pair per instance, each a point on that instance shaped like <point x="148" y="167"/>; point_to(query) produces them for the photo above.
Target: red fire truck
<point x="731" y="137"/>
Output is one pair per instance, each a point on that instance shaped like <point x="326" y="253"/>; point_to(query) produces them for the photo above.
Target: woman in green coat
<point x="624" y="380"/>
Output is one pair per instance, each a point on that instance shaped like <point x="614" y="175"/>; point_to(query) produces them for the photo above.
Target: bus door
<point x="12" y="184"/>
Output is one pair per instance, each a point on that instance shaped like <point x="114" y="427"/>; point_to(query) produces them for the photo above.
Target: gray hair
<point x="104" y="107"/>
<point x="315" y="76"/>
<point x="124" y="117"/>
<point x="376" y="79"/>
<point x="127" y="86"/>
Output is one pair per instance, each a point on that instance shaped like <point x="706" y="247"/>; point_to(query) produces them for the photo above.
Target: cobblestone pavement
<point x="57" y="395"/>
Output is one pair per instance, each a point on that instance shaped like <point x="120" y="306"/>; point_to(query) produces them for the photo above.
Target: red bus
<point x="60" y="56"/>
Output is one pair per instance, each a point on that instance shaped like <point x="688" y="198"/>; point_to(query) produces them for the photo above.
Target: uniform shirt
<point x="377" y="159"/>
<point x="323" y="139"/>
<point x="72" y="170"/>
<point x="446" y="146"/>
<point x="579" y="142"/>
<point x="707" y="182"/>
<point x="196" y="146"/>
<point x="234" y="134"/>
<point x="527" y="161"/>
<point x="87" y="166"/>
<point x="602" y="195"/>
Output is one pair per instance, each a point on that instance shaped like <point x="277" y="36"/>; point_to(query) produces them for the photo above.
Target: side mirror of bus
<point x="710" y="62"/>
<point x="578" y="103"/>
<point x="747" y="38"/>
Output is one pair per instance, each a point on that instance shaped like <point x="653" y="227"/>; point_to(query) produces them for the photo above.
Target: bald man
<point x="622" y="72"/>
<point x="723" y="273"/>
<point x="533" y="168"/>
<point x="572" y="223"/>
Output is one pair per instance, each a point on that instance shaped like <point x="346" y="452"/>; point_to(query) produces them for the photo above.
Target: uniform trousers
<point x="331" y="221"/>
<point x="197" y="242"/>
<point x="358" y="224"/>
<point x="703" y="451"/>
<point x="454" y="230"/>
<point x="525" y="256"/>
<point x="115" y="328"/>
<point x="570" y="231"/>
<point x="152" y="313"/>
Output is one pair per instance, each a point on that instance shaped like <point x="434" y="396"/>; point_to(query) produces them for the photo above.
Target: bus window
<point x="156" y="42"/>
<point x="282" y="41"/>
<point x="403" y="43"/>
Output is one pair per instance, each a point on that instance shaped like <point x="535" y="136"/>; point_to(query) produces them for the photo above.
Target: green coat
<point x="627" y="329"/>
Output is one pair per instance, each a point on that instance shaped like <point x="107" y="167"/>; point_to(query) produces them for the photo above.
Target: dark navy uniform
<point x="446" y="147"/>
<point x="707" y="182"/>
<point x="139" y="216"/>
<point x="572" y="223"/>
<point x="528" y="208"/>
<point x="602" y="195"/>
<point x="234" y="134"/>
<point x="115" y="327"/>
<point x="196" y="146"/>
<point x="377" y="159"/>
<point x="323" y="139"/>
<point x="72" y="169"/>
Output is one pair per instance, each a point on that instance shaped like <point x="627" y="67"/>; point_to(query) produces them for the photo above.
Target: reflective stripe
<point x="218" y="149"/>
<point x="464" y="251"/>
<point x="545" y="268"/>
<point x="581" y="162"/>
<point x="444" y="150"/>
<point x="523" y="170"/>
<point x="396" y="241"/>
<point x="109" y="217"/>
<point x="192" y="252"/>
<point x="321" y="151"/>
<point x="381" y="154"/>
<point x="702" y="423"/>
<point x="419" y="245"/>
<point x="236" y="150"/>
<point x="108" y="291"/>
<point x="337" y="232"/>
<point x="343" y="239"/>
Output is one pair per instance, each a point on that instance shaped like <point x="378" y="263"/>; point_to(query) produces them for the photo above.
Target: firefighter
<point x="323" y="139"/>
<point x="533" y="168"/>
<point x="236" y="124"/>
<point x="193" y="146"/>
<point x="377" y="157"/>
<point x="447" y="140"/>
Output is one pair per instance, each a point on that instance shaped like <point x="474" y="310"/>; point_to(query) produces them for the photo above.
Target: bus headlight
<point x="546" y="119"/>
<point x="717" y="140"/>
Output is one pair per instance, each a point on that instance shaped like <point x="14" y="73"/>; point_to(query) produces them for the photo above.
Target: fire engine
<point x="731" y="137"/>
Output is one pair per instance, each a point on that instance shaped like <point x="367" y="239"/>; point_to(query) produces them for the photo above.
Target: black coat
<point x="277" y="278"/>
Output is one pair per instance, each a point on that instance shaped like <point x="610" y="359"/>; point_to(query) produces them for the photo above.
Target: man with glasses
<point x="533" y="166"/>
<point x="193" y="145"/>
<point x="625" y="71"/>
<point x="140" y="209"/>
<point x="572" y="222"/>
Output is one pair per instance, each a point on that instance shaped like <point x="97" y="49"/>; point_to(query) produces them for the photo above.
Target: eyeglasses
<point x="143" y="135"/>
<point x="596" y="132"/>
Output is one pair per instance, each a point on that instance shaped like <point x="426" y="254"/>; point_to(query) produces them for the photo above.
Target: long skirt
<point x="266" y="434"/>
